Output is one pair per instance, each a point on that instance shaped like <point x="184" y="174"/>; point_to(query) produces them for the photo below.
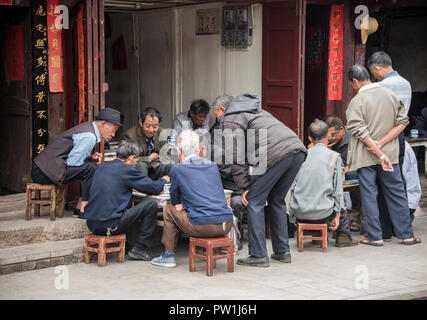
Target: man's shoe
<point x="81" y="216"/>
<point x="254" y="262"/>
<point x="76" y="213"/>
<point x="167" y="259"/>
<point x="344" y="240"/>
<point x="139" y="254"/>
<point x="282" y="257"/>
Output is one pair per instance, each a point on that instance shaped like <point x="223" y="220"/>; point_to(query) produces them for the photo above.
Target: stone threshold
<point x="40" y="255"/>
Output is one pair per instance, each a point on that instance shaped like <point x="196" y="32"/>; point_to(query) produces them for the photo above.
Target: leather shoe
<point x="254" y="262"/>
<point x="140" y="254"/>
<point x="282" y="257"/>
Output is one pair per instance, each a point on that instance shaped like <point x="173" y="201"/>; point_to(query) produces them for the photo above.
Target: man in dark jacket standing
<point x="266" y="156"/>
<point x="110" y="194"/>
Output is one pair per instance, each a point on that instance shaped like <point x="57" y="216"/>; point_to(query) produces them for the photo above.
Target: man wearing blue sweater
<point x="109" y="196"/>
<point x="198" y="202"/>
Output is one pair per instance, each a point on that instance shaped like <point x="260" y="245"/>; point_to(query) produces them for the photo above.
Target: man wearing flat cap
<point x="69" y="158"/>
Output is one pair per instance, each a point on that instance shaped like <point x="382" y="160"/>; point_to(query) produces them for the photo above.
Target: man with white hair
<point x="198" y="202"/>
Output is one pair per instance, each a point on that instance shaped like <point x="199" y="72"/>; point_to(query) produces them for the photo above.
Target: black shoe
<point x="282" y="257"/>
<point x="76" y="213"/>
<point x="81" y="216"/>
<point x="140" y="254"/>
<point x="254" y="262"/>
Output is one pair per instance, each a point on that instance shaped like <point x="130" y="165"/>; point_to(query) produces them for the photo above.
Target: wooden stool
<point x="323" y="228"/>
<point x="214" y="250"/>
<point x="56" y="197"/>
<point x="102" y="249"/>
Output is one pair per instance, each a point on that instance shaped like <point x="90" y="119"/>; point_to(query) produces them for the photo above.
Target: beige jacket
<point x="372" y="113"/>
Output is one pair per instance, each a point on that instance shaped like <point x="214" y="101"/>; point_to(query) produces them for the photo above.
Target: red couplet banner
<point x="81" y="63"/>
<point x="336" y="52"/>
<point x="15" y="53"/>
<point x="55" y="49"/>
<point x="6" y="2"/>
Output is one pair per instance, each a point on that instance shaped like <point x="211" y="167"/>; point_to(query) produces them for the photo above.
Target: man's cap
<point x="110" y="115"/>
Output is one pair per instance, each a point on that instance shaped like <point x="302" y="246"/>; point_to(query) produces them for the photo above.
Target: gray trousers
<point x="272" y="187"/>
<point x="391" y="187"/>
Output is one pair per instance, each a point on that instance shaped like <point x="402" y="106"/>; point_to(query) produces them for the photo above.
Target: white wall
<point x="174" y="66"/>
<point x="205" y="69"/>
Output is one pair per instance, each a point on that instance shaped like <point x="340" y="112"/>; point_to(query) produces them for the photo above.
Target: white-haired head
<point x="189" y="143"/>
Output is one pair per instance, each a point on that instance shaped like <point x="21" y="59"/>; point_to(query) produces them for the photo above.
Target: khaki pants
<point x="175" y="220"/>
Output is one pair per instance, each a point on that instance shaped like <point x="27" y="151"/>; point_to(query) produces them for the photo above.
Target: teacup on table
<point x="166" y="187"/>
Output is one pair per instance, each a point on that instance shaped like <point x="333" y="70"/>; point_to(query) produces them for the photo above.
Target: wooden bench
<point x="323" y="228"/>
<point x="56" y="197"/>
<point x="101" y="248"/>
<point x="214" y="249"/>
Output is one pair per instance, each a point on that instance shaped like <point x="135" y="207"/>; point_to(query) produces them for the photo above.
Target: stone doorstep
<point x="40" y="255"/>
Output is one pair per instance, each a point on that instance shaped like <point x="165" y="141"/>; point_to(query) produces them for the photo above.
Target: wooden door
<point x="15" y="108"/>
<point x="282" y="57"/>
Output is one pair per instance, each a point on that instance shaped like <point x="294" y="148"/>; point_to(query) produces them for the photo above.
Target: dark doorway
<point x="316" y="63"/>
<point x="15" y="106"/>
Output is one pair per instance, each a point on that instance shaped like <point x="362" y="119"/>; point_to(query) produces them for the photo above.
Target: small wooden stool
<point x="323" y="228"/>
<point x="214" y="250"/>
<point x="102" y="249"/>
<point x="56" y="197"/>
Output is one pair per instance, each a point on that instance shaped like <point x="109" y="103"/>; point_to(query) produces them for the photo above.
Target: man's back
<point x="373" y="112"/>
<point x="197" y="184"/>
<point x="111" y="191"/>
<point x="400" y="87"/>
<point x="317" y="189"/>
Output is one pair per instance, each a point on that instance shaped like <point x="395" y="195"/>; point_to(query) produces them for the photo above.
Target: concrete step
<point x="16" y="231"/>
<point x="40" y="255"/>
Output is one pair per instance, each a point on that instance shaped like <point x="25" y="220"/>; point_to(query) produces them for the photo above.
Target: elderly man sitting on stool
<point x="317" y="191"/>
<point x="110" y="194"/>
<point x="198" y="201"/>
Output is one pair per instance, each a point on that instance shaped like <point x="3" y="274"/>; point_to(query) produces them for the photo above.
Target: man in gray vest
<point x="69" y="158"/>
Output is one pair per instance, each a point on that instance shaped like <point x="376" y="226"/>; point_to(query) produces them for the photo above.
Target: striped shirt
<point x="400" y="87"/>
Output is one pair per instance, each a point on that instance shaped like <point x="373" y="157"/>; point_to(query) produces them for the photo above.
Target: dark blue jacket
<point x="422" y="124"/>
<point x="196" y="183"/>
<point x="111" y="191"/>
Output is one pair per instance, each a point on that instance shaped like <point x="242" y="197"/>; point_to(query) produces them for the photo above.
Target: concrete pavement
<point x="361" y="272"/>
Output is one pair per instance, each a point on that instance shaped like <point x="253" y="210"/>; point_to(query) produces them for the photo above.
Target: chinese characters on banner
<point x="40" y="77"/>
<point x="336" y="53"/>
<point x="55" y="49"/>
<point x="15" y="53"/>
<point x="81" y="64"/>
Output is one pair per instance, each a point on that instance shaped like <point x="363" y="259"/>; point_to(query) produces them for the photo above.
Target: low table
<point x="419" y="142"/>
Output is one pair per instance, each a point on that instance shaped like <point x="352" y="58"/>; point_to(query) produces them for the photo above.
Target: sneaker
<point x="167" y="259"/>
<point x="81" y="216"/>
<point x="282" y="257"/>
<point x="344" y="240"/>
<point x="254" y="262"/>
<point x="140" y="254"/>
